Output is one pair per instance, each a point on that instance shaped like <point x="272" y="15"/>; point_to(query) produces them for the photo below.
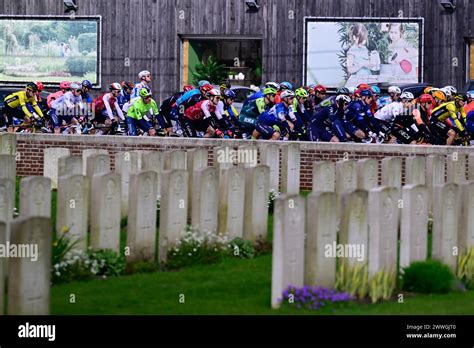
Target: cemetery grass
<point x="233" y="287"/>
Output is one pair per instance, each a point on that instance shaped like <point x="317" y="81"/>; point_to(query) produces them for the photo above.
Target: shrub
<point x="313" y="298"/>
<point x="262" y="247"/>
<point x="80" y="65"/>
<point x="271" y="200"/>
<point x="465" y="271"/>
<point x="382" y="285"/>
<point x="142" y="267"/>
<point x="353" y="279"/>
<point x="87" y="42"/>
<point x="428" y="277"/>
<point x="242" y="248"/>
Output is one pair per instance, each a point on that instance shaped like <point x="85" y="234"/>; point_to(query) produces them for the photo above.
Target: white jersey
<point x="67" y="103"/>
<point x="389" y="112"/>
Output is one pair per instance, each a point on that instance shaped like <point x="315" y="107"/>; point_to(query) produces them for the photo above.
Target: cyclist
<point x="439" y="97"/>
<point x="145" y="80"/>
<point x="394" y="93"/>
<point x="301" y="113"/>
<point x="447" y="120"/>
<point x="64" y="87"/>
<point x="280" y="117"/>
<point x="422" y="115"/>
<point x="260" y="93"/>
<point x="376" y="92"/>
<point x="360" y="116"/>
<point x="284" y="86"/>
<point x="319" y="94"/>
<point x="197" y="118"/>
<point x="224" y="86"/>
<point x="124" y="98"/>
<point x="251" y="111"/>
<point x="328" y="123"/>
<point x="168" y="112"/>
<point x="15" y="105"/>
<point x="140" y="114"/>
<point x="67" y="108"/>
<point x="404" y="129"/>
<point x="450" y="92"/>
<point x="230" y="120"/>
<point x="104" y="114"/>
<point x="470" y="96"/>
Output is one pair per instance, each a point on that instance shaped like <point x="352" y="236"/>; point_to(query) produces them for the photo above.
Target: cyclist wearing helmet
<point x="404" y="129"/>
<point x="86" y="87"/>
<point x="448" y="119"/>
<point x="280" y="117"/>
<point x="107" y="109"/>
<point x="302" y="115"/>
<point x="15" y="105"/>
<point x="359" y="117"/>
<point x="141" y="113"/>
<point x="394" y="95"/>
<point x="197" y="118"/>
<point x="327" y="124"/>
<point x="450" y="92"/>
<point x="422" y="114"/>
<point x="125" y="95"/>
<point x="145" y="80"/>
<point x="283" y="87"/>
<point x="67" y="108"/>
<point x="439" y="97"/>
<point x="230" y="115"/>
<point x="223" y="87"/>
<point x="319" y="94"/>
<point x="260" y="94"/>
<point x="470" y="102"/>
<point x="168" y="113"/>
<point x="251" y="111"/>
<point x="64" y="87"/>
<point x="376" y="92"/>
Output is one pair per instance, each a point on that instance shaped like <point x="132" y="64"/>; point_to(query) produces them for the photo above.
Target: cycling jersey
<point x="253" y="109"/>
<point x="123" y="99"/>
<point x="86" y="96"/>
<point x="104" y="105"/>
<point x="139" y="109"/>
<point x="449" y="110"/>
<point x="389" y="112"/>
<point x="20" y="98"/>
<point x="67" y="104"/>
<point x="186" y="96"/>
<point x="202" y="110"/>
<point x="138" y="87"/>
<point x="276" y="115"/>
<point x="330" y="116"/>
<point x="53" y="96"/>
<point x="254" y="96"/>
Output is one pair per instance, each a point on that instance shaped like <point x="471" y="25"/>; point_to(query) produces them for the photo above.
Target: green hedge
<point x="81" y="65"/>
<point x="87" y="42"/>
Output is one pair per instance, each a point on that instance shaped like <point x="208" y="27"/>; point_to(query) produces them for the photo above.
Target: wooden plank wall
<point x="148" y="32"/>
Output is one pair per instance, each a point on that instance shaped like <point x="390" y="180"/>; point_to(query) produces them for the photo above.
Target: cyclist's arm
<point x="205" y="109"/>
<point x="36" y="108"/>
<point x="110" y="114"/>
<point x="24" y="108"/>
<point x="260" y="105"/>
<point x="119" y="111"/>
<point x="454" y="115"/>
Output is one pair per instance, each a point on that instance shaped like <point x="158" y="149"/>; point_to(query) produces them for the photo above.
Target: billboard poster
<point x="49" y="49"/>
<point x="349" y="51"/>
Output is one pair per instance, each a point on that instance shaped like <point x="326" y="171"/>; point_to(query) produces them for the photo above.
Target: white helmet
<point x="75" y="85"/>
<point x="272" y="85"/>
<point x="343" y="97"/>
<point x="143" y="73"/>
<point x="451" y="89"/>
<point x="394" y="89"/>
<point x="407" y="95"/>
<point x="447" y="91"/>
<point x="287" y="93"/>
<point x="352" y="89"/>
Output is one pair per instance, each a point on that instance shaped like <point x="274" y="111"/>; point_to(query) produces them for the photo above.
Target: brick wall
<point x="30" y="149"/>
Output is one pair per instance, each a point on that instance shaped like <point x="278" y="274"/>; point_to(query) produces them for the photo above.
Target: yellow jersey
<point x="20" y="98"/>
<point x="447" y="110"/>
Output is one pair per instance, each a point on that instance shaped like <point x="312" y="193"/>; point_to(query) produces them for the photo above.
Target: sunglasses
<point x="78" y="90"/>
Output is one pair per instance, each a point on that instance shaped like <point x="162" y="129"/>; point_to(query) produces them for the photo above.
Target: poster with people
<point x="49" y="50"/>
<point x="347" y="52"/>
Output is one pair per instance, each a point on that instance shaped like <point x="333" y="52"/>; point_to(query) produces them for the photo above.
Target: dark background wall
<point x="147" y="32"/>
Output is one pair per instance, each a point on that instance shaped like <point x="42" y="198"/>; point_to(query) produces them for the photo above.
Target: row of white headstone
<point x="349" y="211"/>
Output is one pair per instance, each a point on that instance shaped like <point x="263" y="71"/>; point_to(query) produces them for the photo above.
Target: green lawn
<point x="232" y="287"/>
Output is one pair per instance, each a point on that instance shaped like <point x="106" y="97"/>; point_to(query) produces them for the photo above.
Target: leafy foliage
<point x="382" y="285"/>
<point x="211" y="71"/>
<point x="465" y="270"/>
<point x="431" y="277"/>
<point x="353" y="279"/>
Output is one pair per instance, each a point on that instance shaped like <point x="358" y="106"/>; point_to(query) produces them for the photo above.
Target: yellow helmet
<point x="440" y="95"/>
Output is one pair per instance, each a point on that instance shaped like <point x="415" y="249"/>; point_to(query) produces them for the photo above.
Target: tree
<point x="211" y="71"/>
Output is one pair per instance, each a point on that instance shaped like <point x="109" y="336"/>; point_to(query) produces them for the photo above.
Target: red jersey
<point x="199" y="111"/>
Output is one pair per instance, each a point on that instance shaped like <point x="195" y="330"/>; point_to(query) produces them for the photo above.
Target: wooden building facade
<point x="150" y="33"/>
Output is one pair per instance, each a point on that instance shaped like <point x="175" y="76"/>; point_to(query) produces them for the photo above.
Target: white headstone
<point x="392" y="172"/>
<point x="173" y="209"/>
<point x="270" y="156"/>
<point x="466" y="225"/>
<point x="7" y="167"/>
<point x="256" y="202"/>
<point x="435" y="175"/>
<point x="105" y="211"/>
<point x="231" y="202"/>
<point x="247" y="156"/>
<point x="415" y="170"/>
<point x="471" y="167"/>
<point x="7" y="203"/>
<point x="456" y="168"/>
<point x="205" y="200"/>
<point x="153" y="160"/>
<point x="69" y="165"/>
<point x="3" y="266"/>
<point x="98" y="164"/>
<point x="141" y="223"/>
<point x="346" y="176"/>
<point x="367" y="173"/>
<point x="196" y="159"/>
<point x="223" y="157"/>
<point x="89" y="152"/>
<point x="35" y="196"/>
<point x="73" y="208"/>
<point x="50" y="163"/>
<point x="414" y="225"/>
<point x="175" y="159"/>
<point x="354" y="232"/>
<point x="320" y="269"/>
<point x="126" y="164"/>
<point x="29" y="277"/>
<point x="288" y="254"/>
<point x="324" y="176"/>
<point x="446" y="223"/>
<point x="8" y="144"/>
<point x="290" y="169"/>
<point x="383" y="216"/>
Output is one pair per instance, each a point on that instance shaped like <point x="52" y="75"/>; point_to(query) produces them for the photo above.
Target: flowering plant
<point x="313" y="297"/>
<point x="273" y="194"/>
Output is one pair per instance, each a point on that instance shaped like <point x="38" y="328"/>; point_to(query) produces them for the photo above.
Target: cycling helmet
<point x="213" y="93"/>
<point x="40" y="86"/>
<point x="75" y="86"/>
<point x="343" y="90"/>
<point x="363" y="86"/>
<point x="470" y="94"/>
<point x="427" y="89"/>
<point x="425" y="98"/>
<point x="447" y="92"/>
<point x="285" y="85"/>
<point x="301" y="92"/>
<point x="87" y="84"/>
<point x="32" y="87"/>
<point x="407" y="95"/>
<point x="366" y="93"/>
<point x="451" y="89"/>
<point x="187" y="88"/>
<point x="65" y="85"/>
<point x="229" y="94"/>
<point x="127" y="85"/>
<point x="143" y="73"/>
<point x="207" y="87"/>
<point x="224" y="85"/>
<point x="203" y="82"/>
<point x="269" y="90"/>
<point x="394" y="89"/>
<point x="320" y="89"/>
<point x="352" y="90"/>
<point x="343" y="98"/>
<point x="144" y="93"/>
<point x="439" y="95"/>
<point x="114" y="86"/>
<point x="287" y="94"/>
<point x="272" y="85"/>
<point x="375" y="90"/>
<point x="460" y="96"/>
<point x="357" y="93"/>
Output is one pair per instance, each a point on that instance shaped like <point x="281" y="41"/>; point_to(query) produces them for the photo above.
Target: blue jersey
<point x="276" y="115"/>
<point x="123" y="98"/>
<point x="186" y="96"/>
<point x="85" y="96"/>
<point x="138" y="87"/>
<point x="256" y="95"/>
<point x="383" y="101"/>
<point x="358" y="109"/>
<point x="331" y="116"/>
